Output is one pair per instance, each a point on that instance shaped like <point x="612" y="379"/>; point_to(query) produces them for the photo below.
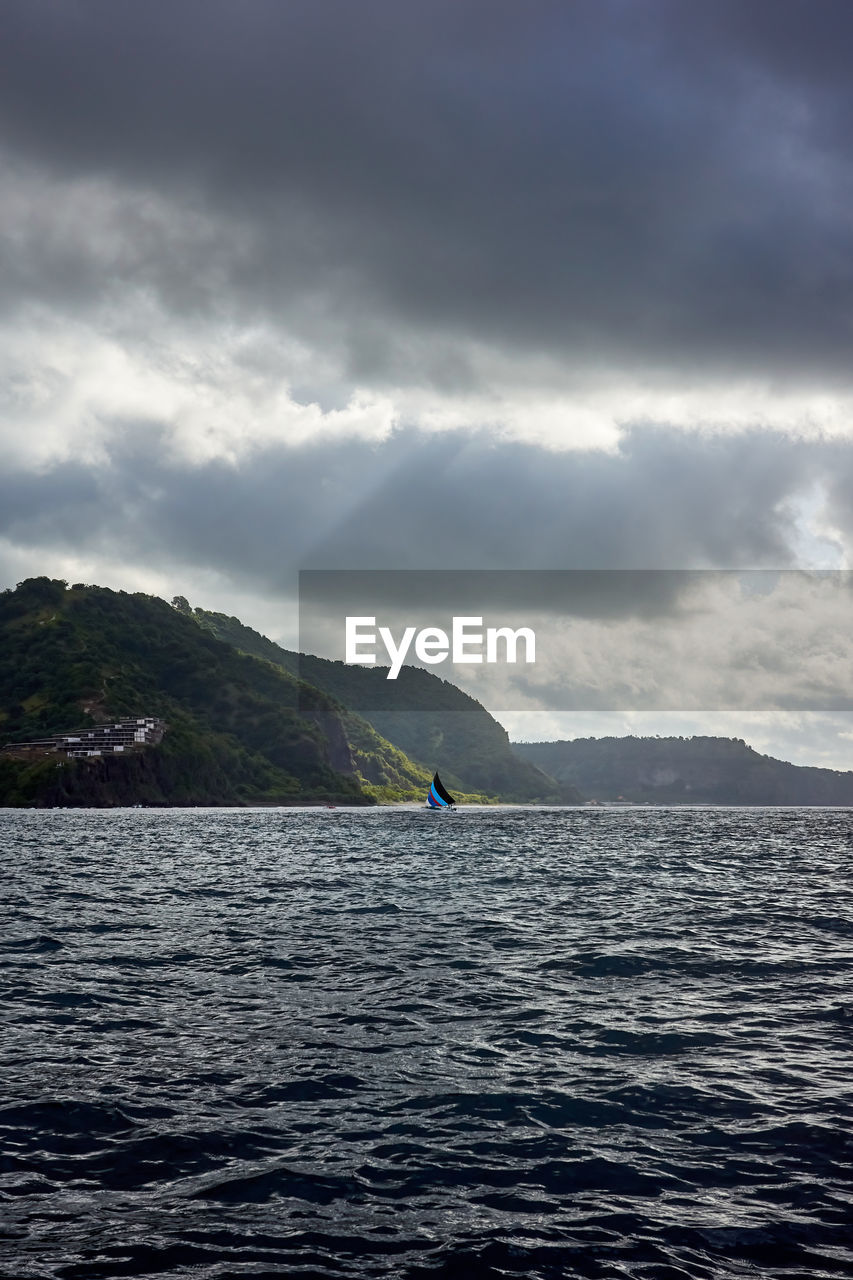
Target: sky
<point x="462" y="284"/>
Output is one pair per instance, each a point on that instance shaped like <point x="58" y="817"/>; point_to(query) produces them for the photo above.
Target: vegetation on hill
<point x="699" y="770"/>
<point x="239" y="730"/>
<point x="456" y="735"/>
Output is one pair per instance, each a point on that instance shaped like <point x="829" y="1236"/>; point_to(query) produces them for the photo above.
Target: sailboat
<point x="438" y="797"/>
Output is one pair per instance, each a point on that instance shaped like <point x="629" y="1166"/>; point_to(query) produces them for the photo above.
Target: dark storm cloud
<point x="665" y="183"/>
<point x="45" y="508"/>
<point x="663" y="501"/>
<point x="462" y="501"/>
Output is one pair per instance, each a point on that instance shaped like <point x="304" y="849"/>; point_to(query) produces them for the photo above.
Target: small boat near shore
<point x="438" y="797"/>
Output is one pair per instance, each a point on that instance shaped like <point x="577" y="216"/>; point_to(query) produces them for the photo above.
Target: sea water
<point x="495" y="1042"/>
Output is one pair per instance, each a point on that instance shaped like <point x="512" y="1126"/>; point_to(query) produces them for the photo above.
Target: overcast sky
<point x="465" y="283"/>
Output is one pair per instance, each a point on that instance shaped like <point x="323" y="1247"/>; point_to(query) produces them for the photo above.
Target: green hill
<point x="700" y="770"/>
<point x="239" y="730"/>
<point x="457" y="735"/>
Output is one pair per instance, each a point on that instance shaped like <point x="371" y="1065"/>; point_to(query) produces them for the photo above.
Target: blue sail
<point x="438" y="797"/>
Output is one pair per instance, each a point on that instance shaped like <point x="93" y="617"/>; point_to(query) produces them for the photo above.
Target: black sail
<point x="441" y="792"/>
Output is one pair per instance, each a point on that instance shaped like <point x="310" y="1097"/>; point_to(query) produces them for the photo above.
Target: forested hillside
<point x="239" y="730"/>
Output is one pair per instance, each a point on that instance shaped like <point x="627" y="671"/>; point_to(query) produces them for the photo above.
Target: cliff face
<point x="700" y="770"/>
<point x="337" y="747"/>
<point x="157" y="776"/>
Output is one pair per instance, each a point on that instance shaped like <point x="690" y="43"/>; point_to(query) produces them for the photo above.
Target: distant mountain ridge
<point x="698" y="770"/>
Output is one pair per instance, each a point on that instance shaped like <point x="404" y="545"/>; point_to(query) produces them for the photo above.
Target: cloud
<point x="475" y="209"/>
<point x="460" y="500"/>
<point x="783" y="643"/>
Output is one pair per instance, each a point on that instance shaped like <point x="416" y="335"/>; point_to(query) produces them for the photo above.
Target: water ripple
<point x="398" y="1044"/>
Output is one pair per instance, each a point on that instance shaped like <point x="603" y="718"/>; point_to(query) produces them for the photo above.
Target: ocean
<point x="395" y="1043"/>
